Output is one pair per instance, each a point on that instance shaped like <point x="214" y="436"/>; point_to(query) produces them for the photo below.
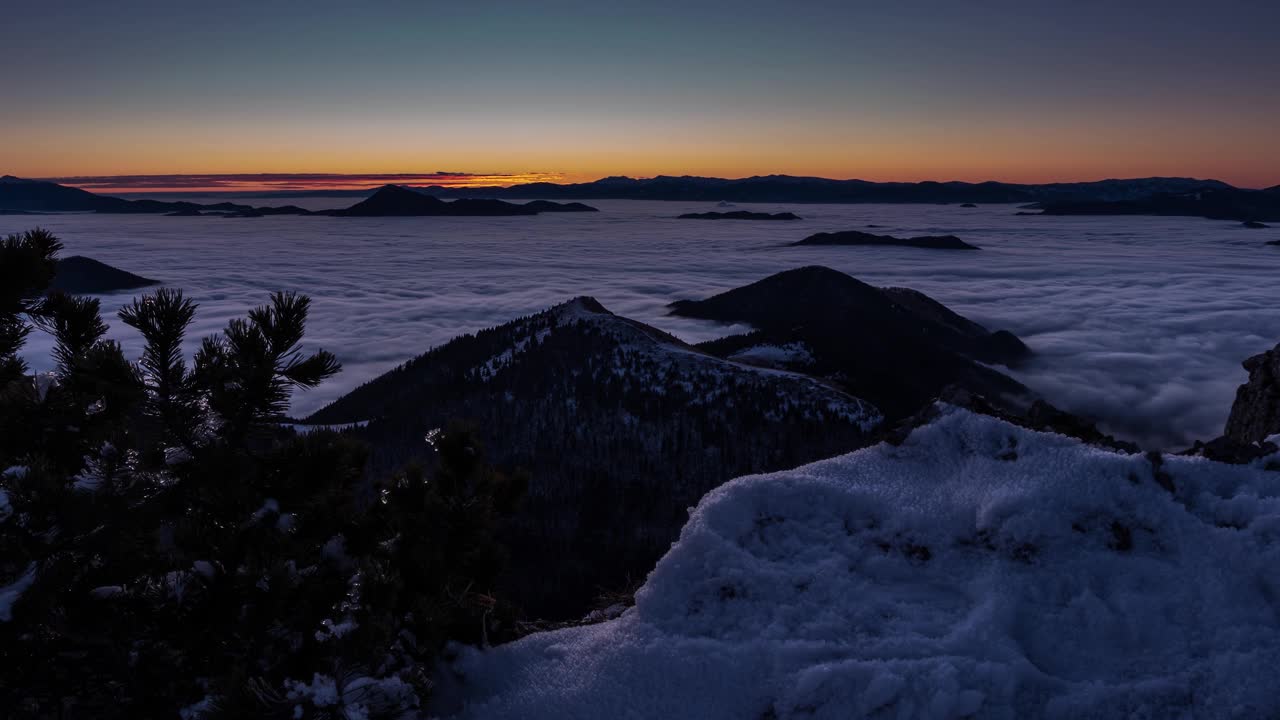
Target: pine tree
<point x="172" y="545"/>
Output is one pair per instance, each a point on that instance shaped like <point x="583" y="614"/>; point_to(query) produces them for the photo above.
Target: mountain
<point x="397" y="201"/>
<point x="36" y="196"/>
<point x="45" y="196"/>
<point x="18" y="194"/>
<point x="896" y="347"/>
<point x="79" y="275"/>
<point x="1215" y="204"/>
<point x="738" y="215"/>
<point x="791" y="189"/>
<point x="853" y="237"/>
<point x="975" y="570"/>
<point x="622" y="427"/>
<point x="548" y="206"/>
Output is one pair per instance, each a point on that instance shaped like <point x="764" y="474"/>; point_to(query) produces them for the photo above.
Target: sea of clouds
<point x="1139" y="322"/>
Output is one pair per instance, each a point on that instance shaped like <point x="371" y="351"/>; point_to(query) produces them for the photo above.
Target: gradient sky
<point x="1018" y="91"/>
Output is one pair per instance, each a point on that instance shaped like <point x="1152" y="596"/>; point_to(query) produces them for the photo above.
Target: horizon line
<point x="320" y="182"/>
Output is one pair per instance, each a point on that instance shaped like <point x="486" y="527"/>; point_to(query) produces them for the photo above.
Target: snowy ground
<point x="1141" y="321"/>
<point x="977" y="570"/>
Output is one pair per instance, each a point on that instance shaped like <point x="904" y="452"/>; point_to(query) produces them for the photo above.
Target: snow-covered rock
<point x="977" y="570"/>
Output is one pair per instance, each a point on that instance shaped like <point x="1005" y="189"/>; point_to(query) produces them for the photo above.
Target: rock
<point x="1255" y="414"/>
<point x="185" y="212"/>
<point x="1254" y="225"/>
<point x="1273" y="242"/>
<point x="854" y="237"/>
<point x="1226" y="450"/>
<point x="968" y="205"/>
<point x="738" y="215"/>
<point x="79" y="275"/>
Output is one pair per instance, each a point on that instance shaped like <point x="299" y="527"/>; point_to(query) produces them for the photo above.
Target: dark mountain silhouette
<point x="896" y="348"/>
<point x="791" y="189"/>
<point x="768" y="188"/>
<point x="80" y="275"/>
<point x="1254" y="225"/>
<point x="548" y="206"/>
<point x="40" y="196"/>
<point x="397" y="201"/>
<point x="854" y="237"/>
<point x="1212" y="203"/>
<point x="622" y="427"/>
<point x="738" y="215"/>
<point x="34" y="195"/>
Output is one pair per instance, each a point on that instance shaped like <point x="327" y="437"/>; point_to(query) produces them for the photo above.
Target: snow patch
<point x="979" y="569"/>
<point x="791" y="354"/>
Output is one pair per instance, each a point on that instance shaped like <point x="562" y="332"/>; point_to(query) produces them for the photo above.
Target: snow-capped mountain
<point x="621" y="426"/>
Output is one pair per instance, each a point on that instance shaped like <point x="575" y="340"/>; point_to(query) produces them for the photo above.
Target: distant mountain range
<point x="18" y="195"/>
<point x="791" y="189"/>
<point x="1142" y="196"/>
<point x="1247" y="206"/>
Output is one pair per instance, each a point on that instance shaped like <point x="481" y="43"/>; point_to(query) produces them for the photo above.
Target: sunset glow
<point x="577" y="91"/>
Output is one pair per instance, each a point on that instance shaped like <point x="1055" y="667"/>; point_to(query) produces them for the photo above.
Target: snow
<point x="335" y="427"/>
<point x="359" y="698"/>
<point x="979" y="569"/>
<point x="796" y="353"/>
<point x="652" y="363"/>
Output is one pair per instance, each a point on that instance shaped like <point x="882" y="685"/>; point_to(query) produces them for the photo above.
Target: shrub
<point x="168" y="546"/>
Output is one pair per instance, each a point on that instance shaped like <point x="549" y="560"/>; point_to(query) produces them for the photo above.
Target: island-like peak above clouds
<point x="855" y="237"/>
<point x="897" y="348"/>
<point x="621" y="426"/>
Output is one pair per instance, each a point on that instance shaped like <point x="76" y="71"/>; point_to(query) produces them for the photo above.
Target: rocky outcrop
<point x="1255" y="414"/>
<point x="738" y="215"/>
<point x="854" y="237"/>
<point x="79" y="275"/>
<point x="1254" y="225"/>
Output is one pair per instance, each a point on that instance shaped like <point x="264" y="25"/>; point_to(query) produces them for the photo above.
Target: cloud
<point x="1141" y="323"/>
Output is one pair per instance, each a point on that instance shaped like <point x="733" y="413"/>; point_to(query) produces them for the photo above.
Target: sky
<point x="921" y="89"/>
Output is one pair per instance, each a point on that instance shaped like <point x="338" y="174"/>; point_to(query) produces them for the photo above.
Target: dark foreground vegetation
<point x="165" y="544"/>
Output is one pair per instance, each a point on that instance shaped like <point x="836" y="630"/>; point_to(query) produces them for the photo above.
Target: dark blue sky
<point x="1006" y="90"/>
